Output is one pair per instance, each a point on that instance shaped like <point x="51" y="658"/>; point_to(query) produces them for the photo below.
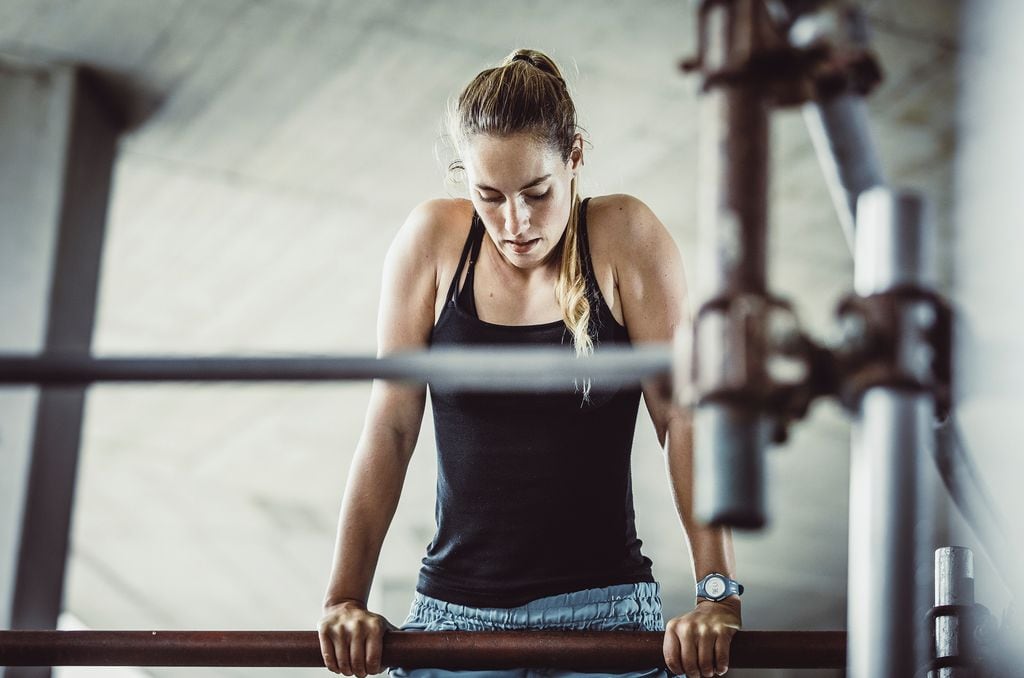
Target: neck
<point x="545" y="271"/>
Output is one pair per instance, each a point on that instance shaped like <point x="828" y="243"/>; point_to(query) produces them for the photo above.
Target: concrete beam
<point x="58" y="138"/>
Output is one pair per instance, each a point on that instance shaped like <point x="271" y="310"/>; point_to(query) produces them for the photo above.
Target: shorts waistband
<point x="628" y="601"/>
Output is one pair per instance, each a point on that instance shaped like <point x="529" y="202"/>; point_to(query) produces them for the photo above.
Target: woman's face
<point x="522" y="191"/>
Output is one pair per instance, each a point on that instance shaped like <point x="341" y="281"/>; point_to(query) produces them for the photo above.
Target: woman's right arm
<point x="351" y="637"/>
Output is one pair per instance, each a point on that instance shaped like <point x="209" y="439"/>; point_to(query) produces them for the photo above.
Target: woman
<point x="534" y="504"/>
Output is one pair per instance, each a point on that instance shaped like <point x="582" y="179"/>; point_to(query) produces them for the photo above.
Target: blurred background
<point x="274" y="148"/>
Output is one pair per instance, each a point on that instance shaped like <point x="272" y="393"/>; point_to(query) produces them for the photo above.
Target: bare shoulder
<point x="629" y="244"/>
<point x="622" y="228"/>
<point x="432" y="231"/>
<point x="415" y="262"/>
<point x="434" y="223"/>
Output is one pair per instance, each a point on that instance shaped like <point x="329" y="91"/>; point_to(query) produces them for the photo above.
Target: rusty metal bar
<point x="733" y="230"/>
<point x="582" y="650"/>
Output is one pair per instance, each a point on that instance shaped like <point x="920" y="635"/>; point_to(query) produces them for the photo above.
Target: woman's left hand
<point x="697" y="643"/>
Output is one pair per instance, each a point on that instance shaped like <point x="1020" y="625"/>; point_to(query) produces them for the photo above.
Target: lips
<point x="522" y="246"/>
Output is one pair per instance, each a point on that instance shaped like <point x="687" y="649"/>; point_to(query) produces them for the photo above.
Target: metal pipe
<point x="891" y="434"/>
<point x="733" y="213"/>
<point x="611" y="651"/>
<point x="897" y="248"/>
<point x="479" y="369"/>
<point x="837" y="118"/>
<point x="954" y="585"/>
<point x="886" y="446"/>
<point x="973" y="498"/>
<point x="841" y="136"/>
<point x="729" y="465"/>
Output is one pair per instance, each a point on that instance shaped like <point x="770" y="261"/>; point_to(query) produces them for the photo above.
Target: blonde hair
<point x="527" y="94"/>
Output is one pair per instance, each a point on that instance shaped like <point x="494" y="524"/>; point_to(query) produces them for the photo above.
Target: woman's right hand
<point x="352" y="639"/>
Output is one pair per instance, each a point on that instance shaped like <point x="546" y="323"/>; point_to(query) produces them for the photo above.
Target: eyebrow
<point x="529" y="185"/>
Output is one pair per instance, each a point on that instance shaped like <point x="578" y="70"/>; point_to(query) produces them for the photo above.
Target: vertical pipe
<point x="734" y="200"/>
<point x="890" y="435"/>
<point x="954" y="585"/>
<point x="897" y="247"/>
<point x="733" y="233"/>
<point x="887" y="441"/>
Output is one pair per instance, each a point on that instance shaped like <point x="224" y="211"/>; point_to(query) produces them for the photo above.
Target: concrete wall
<point x="988" y="272"/>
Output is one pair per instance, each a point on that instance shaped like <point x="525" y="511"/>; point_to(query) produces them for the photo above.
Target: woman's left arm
<point x="652" y="291"/>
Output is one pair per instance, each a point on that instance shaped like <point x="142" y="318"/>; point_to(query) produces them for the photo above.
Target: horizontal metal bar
<point x="582" y="650"/>
<point x="478" y="369"/>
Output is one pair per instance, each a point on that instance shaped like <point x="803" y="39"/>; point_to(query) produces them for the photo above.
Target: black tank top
<point x="534" y="493"/>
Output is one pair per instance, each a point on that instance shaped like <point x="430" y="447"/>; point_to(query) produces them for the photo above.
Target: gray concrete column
<point x="988" y="281"/>
<point x="58" y="140"/>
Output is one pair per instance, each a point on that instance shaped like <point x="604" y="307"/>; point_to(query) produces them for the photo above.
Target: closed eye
<point x="539" y="196"/>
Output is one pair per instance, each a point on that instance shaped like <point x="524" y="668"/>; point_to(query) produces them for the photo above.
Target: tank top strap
<point x="477" y="236"/>
<point x="469" y="251"/>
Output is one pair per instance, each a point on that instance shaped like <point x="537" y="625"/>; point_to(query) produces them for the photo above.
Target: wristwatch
<point x="715" y="586"/>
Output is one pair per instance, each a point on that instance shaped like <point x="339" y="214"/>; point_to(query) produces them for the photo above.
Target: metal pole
<point x="842" y="140"/>
<point x="59" y="138"/>
<point x="481" y="369"/>
<point x="598" y="651"/>
<point x="732" y="437"/>
<point x="954" y="585"/>
<point x="890" y="436"/>
<point x="837" y="118"/>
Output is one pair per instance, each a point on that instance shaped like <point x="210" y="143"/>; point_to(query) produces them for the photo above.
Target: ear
<point x="576" y="154"/>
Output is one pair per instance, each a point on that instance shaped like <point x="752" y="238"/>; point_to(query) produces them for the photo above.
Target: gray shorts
<point x="623" y="607"/>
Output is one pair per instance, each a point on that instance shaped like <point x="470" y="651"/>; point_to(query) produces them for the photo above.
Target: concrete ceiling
<point x="276" y="147"/>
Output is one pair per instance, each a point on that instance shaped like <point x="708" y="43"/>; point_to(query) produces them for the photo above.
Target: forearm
<point x="371" y="497"/>
<point x="356" y="553"/>
<point x="710" y="548"/>
<point x="352" y="581"/>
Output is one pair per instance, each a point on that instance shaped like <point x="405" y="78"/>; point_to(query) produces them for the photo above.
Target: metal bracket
<point x="811" y="56"/>
<point x="749" y="349"/>
<point x="901" y="338"/>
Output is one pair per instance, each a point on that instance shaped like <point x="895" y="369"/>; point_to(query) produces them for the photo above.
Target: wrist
<point x="344" y="602"/>
<point x="730" y="606"/>
<point x="732" y="601"/>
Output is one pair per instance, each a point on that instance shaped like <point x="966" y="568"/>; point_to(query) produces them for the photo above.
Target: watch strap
<point x="732" y="587"/>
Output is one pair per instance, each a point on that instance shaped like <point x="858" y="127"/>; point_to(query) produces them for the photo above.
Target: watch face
<point x="715" y="587"/>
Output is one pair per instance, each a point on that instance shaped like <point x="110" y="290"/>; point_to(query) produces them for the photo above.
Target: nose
<point x="516" y="218"/>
